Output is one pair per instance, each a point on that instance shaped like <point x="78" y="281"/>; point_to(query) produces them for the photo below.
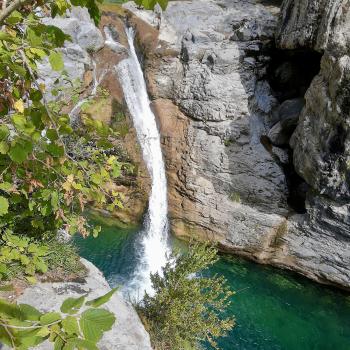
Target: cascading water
<point x="154" y="239"/>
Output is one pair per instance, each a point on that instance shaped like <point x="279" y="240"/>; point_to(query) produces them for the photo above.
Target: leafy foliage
<point x="21" y="251"/>
<point x="22" y="326"/>
<point x="186" y="309"/>
<point x="150" y="4"/>
<point x="49" y="171"/>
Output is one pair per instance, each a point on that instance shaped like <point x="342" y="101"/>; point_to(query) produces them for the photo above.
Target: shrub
<point x="187" y="308"/>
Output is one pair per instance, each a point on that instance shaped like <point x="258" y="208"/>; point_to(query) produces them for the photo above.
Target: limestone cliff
<point x="228" y="101"/>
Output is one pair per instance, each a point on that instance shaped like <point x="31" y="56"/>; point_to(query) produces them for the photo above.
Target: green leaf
<point x="33" y="38"/>
<point x="57" y="36"/>
<point x="94" y="322"/>
<point x="7" y="37"/>
<point x="19" y="152"/>
<point x="72" y="305"/>
<point x="40" y="265"/>
<point x="43" y="332"/>
<point x="54" y="200"/>
<point x="10" y="310"/>
<point x="101" y="300"/>
<point x="4" y="336"/>
<point x="24" y="260"/>
<point x="81" y="344"/>
<point x="96" y="178"/>
<point x="96" y="230"/>
<point x="4" y="147"/>
<point x="163" y="4"/>
<point x="4" y="132"/>
<point x="31" y="279"/>
<point x="37" y="250"/>
<point x="56" y="61"/>
<point x="70" y="325"/>
<point x="4" y="206"/>
<point x="5" y="186"/>
<point x="29" y="312"/>
<point x="3" y="267"/>
<point x="14" y="18"/>
<point x="52" y="134"/>
<point x="58" y="345"/>
<point x="49" y="318"/>
<point x="55" y="150"/>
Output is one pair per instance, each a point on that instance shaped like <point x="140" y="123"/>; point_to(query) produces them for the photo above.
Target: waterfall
<point x="153" y="243"/>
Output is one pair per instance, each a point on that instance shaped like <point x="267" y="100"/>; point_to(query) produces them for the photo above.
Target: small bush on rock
<point x="186" y="308"/>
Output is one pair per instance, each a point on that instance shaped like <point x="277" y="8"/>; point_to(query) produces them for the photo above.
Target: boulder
<point x="288" y="115"/>
<point x="85" y="39"/>
<point x="89" y="37"/>
<point x="127" y="333"/>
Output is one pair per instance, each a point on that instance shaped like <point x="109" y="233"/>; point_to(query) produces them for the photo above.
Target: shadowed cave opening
<point x="290" y="73"/>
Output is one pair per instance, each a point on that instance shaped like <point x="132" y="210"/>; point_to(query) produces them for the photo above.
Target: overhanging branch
<point x="15" y="5"/>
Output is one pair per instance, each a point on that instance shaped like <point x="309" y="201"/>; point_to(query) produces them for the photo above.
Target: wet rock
<point x="321" y="141"/>
<point x="290" y="109"/>
<point x="212" y="107"/>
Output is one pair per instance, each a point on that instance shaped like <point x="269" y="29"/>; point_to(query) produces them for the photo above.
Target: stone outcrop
<point x="221" y="119"/>
<point x="321" y="142"/>
<point x="312" y="24"/>
<point x="127" y="333"/>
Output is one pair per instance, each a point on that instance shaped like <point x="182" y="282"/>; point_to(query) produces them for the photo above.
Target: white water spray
<point x="154" y="239"/>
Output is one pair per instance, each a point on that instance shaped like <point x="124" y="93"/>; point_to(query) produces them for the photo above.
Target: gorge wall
<point x="230" y="81"/>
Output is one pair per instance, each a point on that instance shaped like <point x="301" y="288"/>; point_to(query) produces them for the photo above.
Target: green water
<point x="274" y="310"/>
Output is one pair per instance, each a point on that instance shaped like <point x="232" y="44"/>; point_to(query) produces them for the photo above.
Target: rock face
<point x="213" y="106"/>
<point x="86" y="38"/>
<point x="287" y="115"/>
<point x="321" y="142"/>
<point x="127" y="333"/>
<point x="312" y="23"/>
<point x="220" y="120"/>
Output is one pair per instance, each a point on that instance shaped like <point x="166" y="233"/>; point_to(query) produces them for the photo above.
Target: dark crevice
<point x="337" y="141"/>
<point x="290" y="73"/>
<point x="271" y="2"/>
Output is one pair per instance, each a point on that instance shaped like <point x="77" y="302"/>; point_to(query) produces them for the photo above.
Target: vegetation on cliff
<point x="187" y="307"/>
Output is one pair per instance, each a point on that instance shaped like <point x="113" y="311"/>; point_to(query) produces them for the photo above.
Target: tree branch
<point x="12" y="7"/>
